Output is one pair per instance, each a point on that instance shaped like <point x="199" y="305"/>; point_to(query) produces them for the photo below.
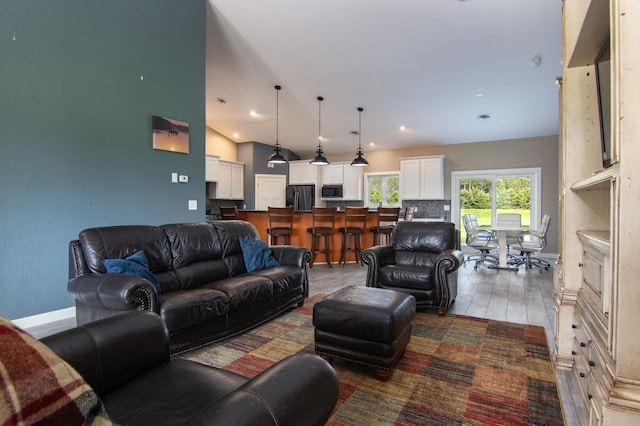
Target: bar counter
<point x="300" y="237"/>
<point x="303" y="220"/>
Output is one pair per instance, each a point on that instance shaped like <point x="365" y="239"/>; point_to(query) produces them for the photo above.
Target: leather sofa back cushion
<point x="119" y="242"/>
<point x="230" y="232"/>
<point x="424" y="236"/>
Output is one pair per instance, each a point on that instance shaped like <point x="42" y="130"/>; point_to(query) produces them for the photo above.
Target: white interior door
<point x="270" y="191"/>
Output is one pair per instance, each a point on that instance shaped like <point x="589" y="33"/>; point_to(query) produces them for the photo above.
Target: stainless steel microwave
<point x="331" y="191"/>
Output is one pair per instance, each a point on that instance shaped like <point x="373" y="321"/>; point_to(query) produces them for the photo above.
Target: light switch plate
<point x="193" y="204"/>
<point x="447" y="207"/>
<point x="174" y="178"/>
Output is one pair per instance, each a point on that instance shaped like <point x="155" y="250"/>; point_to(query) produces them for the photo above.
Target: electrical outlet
<point x="193" y="204"/>
<point x="447" y="207"/>
<point x="183" y="178"/>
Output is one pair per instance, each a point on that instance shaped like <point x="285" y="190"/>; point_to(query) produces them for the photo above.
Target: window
<point x="486" y="193"/>
<point x="382" y="188"/>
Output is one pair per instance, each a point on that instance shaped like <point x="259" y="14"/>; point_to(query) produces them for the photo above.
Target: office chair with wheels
<point x="480" y="239"/>
<point x="530" y="242"/>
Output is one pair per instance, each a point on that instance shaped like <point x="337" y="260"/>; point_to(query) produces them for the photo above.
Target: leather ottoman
<point x="369" y="326"/>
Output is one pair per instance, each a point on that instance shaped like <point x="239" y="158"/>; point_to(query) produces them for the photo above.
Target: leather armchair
<point x="422" y="260"/>
<point x="126" y="360"/>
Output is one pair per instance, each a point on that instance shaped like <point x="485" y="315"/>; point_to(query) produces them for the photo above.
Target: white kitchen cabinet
<point x="352" y="182"/>
<point x="211" y="168"/>
<point x="230" y="181"/>
<point x="422" y="178"/>
<point x="302" y="173"/>
<point x="333" y="174"/>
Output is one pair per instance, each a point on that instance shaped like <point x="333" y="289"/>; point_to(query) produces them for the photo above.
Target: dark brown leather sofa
<point x="206" y="292"/>
<point x="126" y="361"/>
<point x="422" y="260"/>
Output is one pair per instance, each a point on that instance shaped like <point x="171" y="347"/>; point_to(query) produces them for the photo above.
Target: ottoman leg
<point x="383" y="375"/>
<point x="441" y="312"/>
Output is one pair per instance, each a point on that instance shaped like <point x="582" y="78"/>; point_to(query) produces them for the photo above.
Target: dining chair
<point x="483" y="240"/>
<point x="532" y="241"/>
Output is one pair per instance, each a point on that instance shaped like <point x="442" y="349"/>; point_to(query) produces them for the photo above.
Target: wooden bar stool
<point x="324" y="220"/>
<point x="355" y="222"/>
<point x="280" y="224"/>
<point x="228" y="213"/>
<point x="387" y="217"/>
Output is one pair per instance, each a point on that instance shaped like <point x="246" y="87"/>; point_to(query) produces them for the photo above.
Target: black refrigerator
<point x="301" y="197"/>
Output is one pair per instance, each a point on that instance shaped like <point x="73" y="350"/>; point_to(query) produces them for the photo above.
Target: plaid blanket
<point x="38" y="387"/>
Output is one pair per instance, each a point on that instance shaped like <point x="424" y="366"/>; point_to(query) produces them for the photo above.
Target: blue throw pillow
<point x="135" y="265"/>
<point x="257" y="255"/>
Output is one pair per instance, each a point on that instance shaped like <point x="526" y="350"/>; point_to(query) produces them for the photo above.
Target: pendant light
<point x="277" y="157"/>
<point x="359" y="161"/>
<point x="319" y="159"/>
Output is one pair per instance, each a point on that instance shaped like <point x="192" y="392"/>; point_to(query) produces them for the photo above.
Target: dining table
<point x="501" y="231"/>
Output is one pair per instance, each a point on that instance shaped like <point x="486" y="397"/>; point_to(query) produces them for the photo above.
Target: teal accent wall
<point x="79" y="83"/>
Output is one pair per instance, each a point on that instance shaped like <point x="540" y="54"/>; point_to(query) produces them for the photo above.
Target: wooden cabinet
<point x="596" y="289"/>
<point x="230" y="181"/>
<point x="352" y="182"/>
<point x="351" y="179"/>
<point x="211" y="168"/>
<point x="333" y="174"/>
<point x="302" y="173"/>
<point x="422" y="178"/>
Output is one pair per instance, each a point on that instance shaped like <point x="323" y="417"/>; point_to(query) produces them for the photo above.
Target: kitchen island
<point x="303" y="220"/>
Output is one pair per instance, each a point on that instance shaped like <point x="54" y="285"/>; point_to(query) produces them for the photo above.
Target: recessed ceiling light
<point x="253" y="113"/>
<point x="479" y="94"/>
<point x="372" y="144"/>
<point x="536" y="61"/>
<point x="484" y="116"/>
<point x="235" y="135"/>
<point x="403" y="128"/>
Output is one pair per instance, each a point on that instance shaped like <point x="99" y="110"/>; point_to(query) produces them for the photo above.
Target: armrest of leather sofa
<point x="114" y="291"/>
<point x="449" y="261"/>
<point x="300" y="389"/>
<point x="109" y="352"/>
<point x="375" y="257"/>
<point x="445" y="269"/>
<point x="291" y="255"/>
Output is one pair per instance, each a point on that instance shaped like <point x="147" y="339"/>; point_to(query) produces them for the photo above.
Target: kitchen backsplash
<point x="430" y="208"/>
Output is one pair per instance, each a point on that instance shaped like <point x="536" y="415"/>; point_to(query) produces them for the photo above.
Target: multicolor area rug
<point x="456" y="370"/>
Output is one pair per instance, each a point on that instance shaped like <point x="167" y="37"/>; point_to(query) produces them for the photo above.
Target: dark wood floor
<point x="522" y="296"/>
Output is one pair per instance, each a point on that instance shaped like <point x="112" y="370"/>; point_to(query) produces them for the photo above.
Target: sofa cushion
<point x="284" y="278"/>
<point x="180" y="309"/>
<point x="197" y="254"/>
<point x="257" y="255"/>
<point x="118" y="242"/>
<point x="244" y="290"/>
<point x="230" y="232"/>
<point x="135" y="265"/>
<point x="38" y="387"/>
<point x="394" y="275"/>
<point x="424" y="236"/>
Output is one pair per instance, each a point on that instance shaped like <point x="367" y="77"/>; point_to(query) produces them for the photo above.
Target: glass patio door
<point x="487" y="193"/>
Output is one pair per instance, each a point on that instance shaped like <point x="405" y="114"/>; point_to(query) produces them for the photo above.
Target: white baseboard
<point x="46" y="318"/>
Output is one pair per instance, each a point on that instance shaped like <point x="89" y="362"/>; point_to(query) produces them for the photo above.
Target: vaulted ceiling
<point x="425" y="71"/>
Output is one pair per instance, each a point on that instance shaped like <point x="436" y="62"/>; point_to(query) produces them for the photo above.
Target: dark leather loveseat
<point x="422" y="260"/>
<point x="126" y="361"/>
<point x="205" y="291"/>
